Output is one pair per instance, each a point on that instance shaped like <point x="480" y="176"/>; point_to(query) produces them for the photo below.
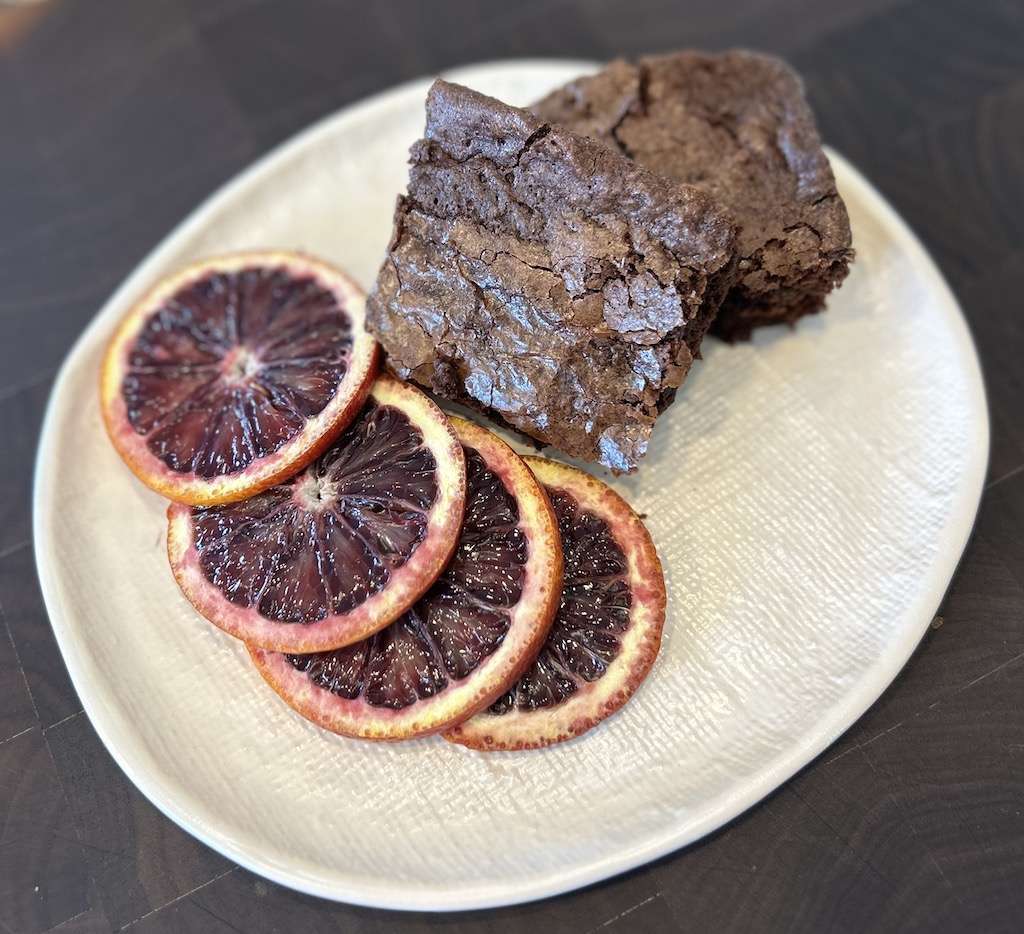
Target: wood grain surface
<point x="118" y="116"/>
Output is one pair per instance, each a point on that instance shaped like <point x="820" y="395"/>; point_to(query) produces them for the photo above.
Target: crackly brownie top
<point x="599" y="217"/>
<point x="735" y="123"/>
<point x="545" y="277"/>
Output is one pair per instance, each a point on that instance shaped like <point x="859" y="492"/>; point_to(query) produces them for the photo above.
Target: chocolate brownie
<point x="546" y="279"/>
<point x="737" y="125"/>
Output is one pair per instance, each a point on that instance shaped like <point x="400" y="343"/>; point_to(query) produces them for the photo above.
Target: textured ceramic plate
<point x="810" y="495"/>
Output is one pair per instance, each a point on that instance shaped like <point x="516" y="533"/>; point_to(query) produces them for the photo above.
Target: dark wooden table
<point x="118" y="116"/>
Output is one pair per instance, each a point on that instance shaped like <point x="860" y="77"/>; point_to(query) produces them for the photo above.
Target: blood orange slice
<point x="235" y="373"/>
<point x="607" y="631"/>
<point x="470" y="636"/>
<point x="339" y="551"/>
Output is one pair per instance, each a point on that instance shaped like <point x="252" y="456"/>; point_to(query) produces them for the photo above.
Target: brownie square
<point x="546" y="279"/>
<point x="737" y="125"/>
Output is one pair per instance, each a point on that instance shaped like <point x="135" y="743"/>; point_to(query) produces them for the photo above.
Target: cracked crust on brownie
<point x="736" y="124"/>
<point x="546" y="279"/>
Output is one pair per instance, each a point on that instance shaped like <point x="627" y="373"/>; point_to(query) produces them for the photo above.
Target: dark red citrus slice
<point x="607" y="631"/>
<point x="235" y="373"/>
<point x="467" y="639"/>
<point x="339" y="551"/>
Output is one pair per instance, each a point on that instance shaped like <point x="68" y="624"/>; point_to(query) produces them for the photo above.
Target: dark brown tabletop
<point x="118" y="116"/>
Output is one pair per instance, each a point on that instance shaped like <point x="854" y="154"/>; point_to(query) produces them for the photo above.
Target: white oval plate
<point x="810" y="494"/>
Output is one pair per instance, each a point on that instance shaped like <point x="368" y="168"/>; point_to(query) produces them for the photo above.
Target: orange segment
<point x="339" y="551"/>
<point x="467" y="639"/>
<point x="606" y="634"/>
<point x="235" y="373"/>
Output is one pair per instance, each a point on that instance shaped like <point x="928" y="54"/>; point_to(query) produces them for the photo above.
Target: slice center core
<point x="239" y="364"/>
<point x="315" y="494"/>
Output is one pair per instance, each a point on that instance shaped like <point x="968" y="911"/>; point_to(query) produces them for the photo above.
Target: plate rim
<point x="169" y="800"/>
